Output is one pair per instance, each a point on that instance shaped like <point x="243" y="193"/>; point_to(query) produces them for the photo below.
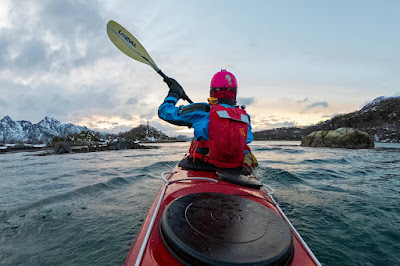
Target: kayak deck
<point x="152" y="245"/>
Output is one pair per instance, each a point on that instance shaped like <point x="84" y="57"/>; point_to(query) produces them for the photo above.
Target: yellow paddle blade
<point x="128" y="44"/>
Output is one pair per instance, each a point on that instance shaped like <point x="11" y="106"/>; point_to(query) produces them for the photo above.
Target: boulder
<point x="62" y="147"/>
<point x="343" y="137"/>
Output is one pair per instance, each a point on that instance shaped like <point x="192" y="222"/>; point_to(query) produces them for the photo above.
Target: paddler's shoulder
<point x="200" y="107"/>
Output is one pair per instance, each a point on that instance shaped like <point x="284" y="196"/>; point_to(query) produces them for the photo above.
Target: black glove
<point x="175" y="90"/>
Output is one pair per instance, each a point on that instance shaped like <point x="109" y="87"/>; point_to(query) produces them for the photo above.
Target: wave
<point x="322" y="174"/>
<point x="89" y="190"/>
<point x="274" y="174"/>
<point x="325" y="161"/>
<point x="270" y="162"/>
<point x="332" y="188"/>
<point x="267" y="149"/>
<point x="292" y="151"/>
<point x="162" y="166"/>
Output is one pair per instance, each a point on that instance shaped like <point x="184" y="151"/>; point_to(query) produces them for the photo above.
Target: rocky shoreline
<point x="379" y="118"/>
<point x="70" y="147"/>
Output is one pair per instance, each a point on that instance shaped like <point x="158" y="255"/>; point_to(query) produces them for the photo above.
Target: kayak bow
<point x="217" y="218"/>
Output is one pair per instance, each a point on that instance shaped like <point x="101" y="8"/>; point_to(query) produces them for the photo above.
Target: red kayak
<point x="216" y="217"/>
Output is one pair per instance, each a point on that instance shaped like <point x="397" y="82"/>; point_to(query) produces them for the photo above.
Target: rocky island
<point x="343" y="137"/>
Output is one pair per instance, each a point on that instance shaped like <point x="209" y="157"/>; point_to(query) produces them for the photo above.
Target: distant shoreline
<point x="85" y="149"/>
<point x="82" y="148"/>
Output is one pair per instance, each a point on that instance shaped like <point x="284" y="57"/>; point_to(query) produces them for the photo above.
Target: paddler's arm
<point x="187" y="115"/>
<point x="170" y="113"/>
<point x="249" y="159"/>
<point x="249" y="132"/>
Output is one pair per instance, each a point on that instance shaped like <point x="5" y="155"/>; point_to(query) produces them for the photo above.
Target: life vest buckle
<point x="212" y="100"/>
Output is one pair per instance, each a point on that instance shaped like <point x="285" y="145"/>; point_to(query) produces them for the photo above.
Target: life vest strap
<point x="205" y="158"/>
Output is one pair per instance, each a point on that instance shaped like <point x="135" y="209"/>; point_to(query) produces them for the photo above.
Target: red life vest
<point x="228" y="134"/>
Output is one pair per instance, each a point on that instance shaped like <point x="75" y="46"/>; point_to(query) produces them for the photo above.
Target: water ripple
<point x="82" y="209"/>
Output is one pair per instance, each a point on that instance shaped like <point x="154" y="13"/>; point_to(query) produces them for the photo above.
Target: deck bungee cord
<point x="270" y="192"/>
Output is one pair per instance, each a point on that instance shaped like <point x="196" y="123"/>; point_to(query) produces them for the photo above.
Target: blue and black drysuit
<point x="194" y="115"/>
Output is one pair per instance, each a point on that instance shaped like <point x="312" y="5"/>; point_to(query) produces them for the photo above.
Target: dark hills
<point x="143" y="132"/>
<point x="379" y="118"/>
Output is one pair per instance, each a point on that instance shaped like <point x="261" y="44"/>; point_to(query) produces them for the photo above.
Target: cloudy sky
<point x="297" y="62"/>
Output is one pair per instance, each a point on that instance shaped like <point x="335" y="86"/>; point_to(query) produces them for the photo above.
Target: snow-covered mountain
<point x="42" y="132"/>
<point x="373" y="105"/>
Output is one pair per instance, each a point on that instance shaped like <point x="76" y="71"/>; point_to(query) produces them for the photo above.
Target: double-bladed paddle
<point x="130" y="46"/>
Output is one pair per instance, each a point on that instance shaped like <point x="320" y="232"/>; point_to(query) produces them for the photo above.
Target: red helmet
<point x="223" y="85"/>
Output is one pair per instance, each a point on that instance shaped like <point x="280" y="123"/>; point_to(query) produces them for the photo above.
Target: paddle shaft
<point x="130" y="46"/>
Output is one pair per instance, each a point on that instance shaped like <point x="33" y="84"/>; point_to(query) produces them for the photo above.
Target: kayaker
<point x="222" y="129"/>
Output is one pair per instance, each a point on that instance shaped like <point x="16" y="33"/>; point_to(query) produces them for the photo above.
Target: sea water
<point x="86" y="208"/>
